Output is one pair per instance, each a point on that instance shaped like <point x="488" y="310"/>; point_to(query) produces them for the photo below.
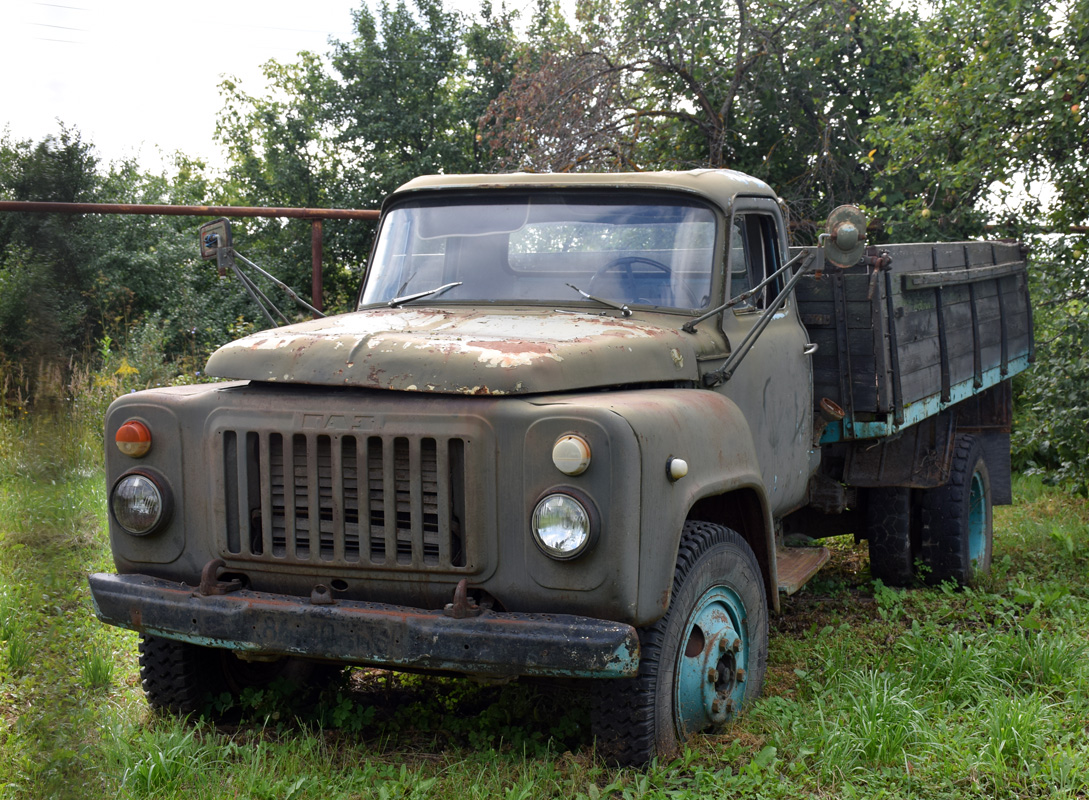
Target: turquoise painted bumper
<point x="496" y="644"/>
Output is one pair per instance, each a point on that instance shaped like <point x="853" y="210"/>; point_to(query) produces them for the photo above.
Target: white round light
<point x="571" y="455"/>
<point x="561" y="525"/>
<point x="677" y="467"/>
<point x="138" y="504"/>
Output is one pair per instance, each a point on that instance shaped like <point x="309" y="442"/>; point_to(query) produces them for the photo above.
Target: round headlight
<point x="561" y="525"/>
<point x="138" y="504"/>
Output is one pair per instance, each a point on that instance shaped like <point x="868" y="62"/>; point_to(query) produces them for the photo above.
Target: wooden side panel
<point x="901" y="338"/>
<point x="844" y="318"/>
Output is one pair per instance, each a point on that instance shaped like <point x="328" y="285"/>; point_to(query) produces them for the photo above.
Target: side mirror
<point x="845" y="241"/>
<point x="215" y="242"/>
<point x="214" y="235"/>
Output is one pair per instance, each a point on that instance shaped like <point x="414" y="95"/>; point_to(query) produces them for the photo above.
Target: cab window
<point x="754" y="254"/>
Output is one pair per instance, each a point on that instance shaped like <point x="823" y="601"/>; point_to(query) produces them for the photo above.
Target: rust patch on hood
<point x="508" y="351"/>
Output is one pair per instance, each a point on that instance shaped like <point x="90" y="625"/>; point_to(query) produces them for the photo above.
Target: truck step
<point x="796" y="565"/>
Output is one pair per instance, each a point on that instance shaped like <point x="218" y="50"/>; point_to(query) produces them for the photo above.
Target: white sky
<point x="140" y="77"/>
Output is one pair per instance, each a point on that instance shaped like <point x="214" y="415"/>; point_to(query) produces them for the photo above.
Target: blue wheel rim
<point x="712" y="661"/>
<point x="977" y="521"/>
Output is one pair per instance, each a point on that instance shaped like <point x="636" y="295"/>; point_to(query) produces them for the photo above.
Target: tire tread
<point x="888" y="529"/>
<point x="176" y="676"/>
<point x="623" y="710"/>
<point x="943" y="524"/>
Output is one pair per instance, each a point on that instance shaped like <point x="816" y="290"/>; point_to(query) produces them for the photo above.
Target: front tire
<point x="701" y="663"/>
<point x="182" y="678"/>
<point x="957" y="527"/>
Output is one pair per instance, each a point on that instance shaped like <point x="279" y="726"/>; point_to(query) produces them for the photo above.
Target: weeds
<point x="167" y="757"/>
<point x="1014" y="733"/>
<point x="96" y="669"/>
<point x="18" y="651"/>
<point x="10" y="612"/>
<point x="889" y="600"/>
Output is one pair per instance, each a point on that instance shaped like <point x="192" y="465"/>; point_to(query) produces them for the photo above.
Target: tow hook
<point x="210" y="584"/>
<point x="463" y="605"/>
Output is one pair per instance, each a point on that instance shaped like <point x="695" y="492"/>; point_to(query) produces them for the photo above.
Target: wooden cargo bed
<point x="942" y="323"/>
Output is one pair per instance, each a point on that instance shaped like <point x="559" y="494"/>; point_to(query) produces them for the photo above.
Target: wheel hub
<point x="709" y="680"/>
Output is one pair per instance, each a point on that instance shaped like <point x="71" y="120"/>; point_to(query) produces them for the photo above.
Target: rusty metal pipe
<point x="32" y="206"/>
<point x="315" y="215"/>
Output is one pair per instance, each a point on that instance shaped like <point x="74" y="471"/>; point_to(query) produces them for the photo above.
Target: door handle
<point x="810" y="348"/>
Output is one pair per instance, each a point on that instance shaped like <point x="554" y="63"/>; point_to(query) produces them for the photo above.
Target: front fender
<point x="711" y="434"/>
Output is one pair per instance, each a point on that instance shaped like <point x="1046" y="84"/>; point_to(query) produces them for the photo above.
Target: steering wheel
<point x="624" y="263"/>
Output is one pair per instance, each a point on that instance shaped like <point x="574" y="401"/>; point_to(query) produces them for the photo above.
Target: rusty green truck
<point x="569" y="430"/>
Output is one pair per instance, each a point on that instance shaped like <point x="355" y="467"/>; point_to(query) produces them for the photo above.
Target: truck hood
<point x="464" y="352"/>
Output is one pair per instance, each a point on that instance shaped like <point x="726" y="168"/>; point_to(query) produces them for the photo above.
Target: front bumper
<point x="494" y="644"/>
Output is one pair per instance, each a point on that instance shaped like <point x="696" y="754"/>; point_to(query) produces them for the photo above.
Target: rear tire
<point x="889" y="531"/>
<point x="956" y="520"/>
<point x="701" y="662"/>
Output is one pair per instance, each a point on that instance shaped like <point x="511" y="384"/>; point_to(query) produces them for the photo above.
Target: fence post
<point x="315" y="264"/>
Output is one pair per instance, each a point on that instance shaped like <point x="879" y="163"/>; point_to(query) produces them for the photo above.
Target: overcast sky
<point x="140" y="77"/>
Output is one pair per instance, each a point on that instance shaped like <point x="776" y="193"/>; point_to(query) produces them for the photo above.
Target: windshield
<point x="654" y="249"/>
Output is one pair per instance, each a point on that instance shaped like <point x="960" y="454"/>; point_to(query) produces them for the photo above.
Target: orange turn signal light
<point x="133" y="439"/>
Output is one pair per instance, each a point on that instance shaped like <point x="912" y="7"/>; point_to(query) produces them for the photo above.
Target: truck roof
<point x="720" y="186"/>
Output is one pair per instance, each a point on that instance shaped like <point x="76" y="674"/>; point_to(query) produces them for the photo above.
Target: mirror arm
<point x="690" y="326"/>
<point x="726" y="371"/>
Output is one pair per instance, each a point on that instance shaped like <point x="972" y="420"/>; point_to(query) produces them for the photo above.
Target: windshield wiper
<point x="624" y="310"/>
<point x="408" y="298"/>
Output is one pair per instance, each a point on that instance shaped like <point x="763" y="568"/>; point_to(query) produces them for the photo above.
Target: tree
<point x="282" y="152"/>
<point x="995" y="99"/>
<point x="411" y="88"/>
<point x="1000" y="103"/>
<point x="75" y="284"/>
<point x="778" y="89"/>
<point x="43" y="270"/>
<point x="403" y="100"/>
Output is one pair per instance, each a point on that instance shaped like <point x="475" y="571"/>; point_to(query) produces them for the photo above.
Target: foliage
<point x="43" y="271"/>
<point x="1052" y="431"/>
<point x="282" y="154"/>
<point x="1000" y="101"/>
<point x="402" y="100"/>
<point x="69" y="281"/>
<point x="399" y="101"/>
<point x="780" y="90"/>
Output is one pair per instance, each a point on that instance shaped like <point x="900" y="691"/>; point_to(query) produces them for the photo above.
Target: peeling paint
<point x="369" y="632"/>
<point x="522" y="350"/>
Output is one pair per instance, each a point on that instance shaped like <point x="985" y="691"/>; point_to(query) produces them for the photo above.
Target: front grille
<point x="387" y="502"/>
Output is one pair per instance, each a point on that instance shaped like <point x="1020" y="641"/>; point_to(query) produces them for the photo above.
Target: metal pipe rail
<point x="314" y="215"/>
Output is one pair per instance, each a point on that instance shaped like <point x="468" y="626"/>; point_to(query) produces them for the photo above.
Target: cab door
<point x="773" y="385"/>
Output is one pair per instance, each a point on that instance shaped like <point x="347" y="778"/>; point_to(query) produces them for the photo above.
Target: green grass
<point x="872" y="691"/>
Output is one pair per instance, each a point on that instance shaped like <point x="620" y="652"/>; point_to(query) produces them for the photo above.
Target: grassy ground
<point x="872" y="692"/>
